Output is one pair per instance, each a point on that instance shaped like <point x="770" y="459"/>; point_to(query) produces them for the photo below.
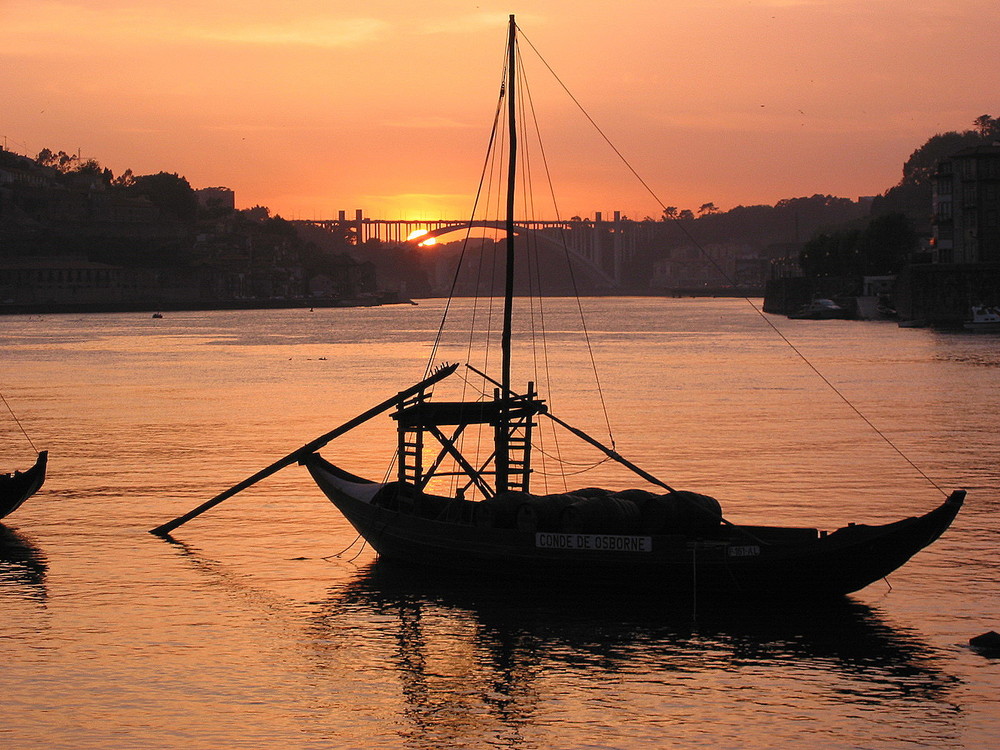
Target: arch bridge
<point x="604" y="248"/>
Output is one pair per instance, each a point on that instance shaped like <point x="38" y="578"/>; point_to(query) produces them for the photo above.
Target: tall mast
<point x="503" y="428"/>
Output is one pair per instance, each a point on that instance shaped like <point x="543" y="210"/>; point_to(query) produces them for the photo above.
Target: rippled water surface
<point x="264" y="625"/>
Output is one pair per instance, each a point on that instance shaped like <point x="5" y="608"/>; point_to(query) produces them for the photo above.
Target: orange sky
<point x="315" y="106"/>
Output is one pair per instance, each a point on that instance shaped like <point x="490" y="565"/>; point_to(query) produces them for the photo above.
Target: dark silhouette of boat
<point x="18" y="486"/>
<point x="663" y="543"/>
<point x="660" y="543"/>
<point x="409" y="526"/>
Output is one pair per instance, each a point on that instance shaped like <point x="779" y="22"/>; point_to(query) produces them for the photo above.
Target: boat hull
<point x="985" y="319"/>
<point x="822" y="309"/>
<point x="755" y="562"/>
<point x="18" y="487"/>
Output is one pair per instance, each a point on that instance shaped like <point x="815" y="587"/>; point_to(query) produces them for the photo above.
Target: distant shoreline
<point x="63" y="308"/>
<point x="56" y="308"/>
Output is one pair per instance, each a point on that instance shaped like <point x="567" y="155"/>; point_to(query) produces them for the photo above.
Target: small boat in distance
<point x="984" y="318"/>
<point x="18" y="486"/>
<point x="820" y="309"/>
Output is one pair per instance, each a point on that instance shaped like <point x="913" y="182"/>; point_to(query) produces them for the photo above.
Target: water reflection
<point x="438" y="662"/>
<point x="22" y="564"/>
<point x="468" y="657"/>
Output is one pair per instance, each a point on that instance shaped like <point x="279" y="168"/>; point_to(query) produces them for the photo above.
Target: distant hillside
<point x="71" y="233"/>
<point x="911" y="196"/>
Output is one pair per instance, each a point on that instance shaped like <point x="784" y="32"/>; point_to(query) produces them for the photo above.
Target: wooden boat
<point x="17" y="487"/>
<point x="408" y="526"/>
<point x="663" y="543"/>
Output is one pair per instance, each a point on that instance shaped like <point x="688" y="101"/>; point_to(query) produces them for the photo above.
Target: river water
<point x="263" y="624"/>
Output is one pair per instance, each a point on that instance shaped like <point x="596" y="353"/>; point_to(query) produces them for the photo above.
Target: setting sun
<point x="420" y="233"/>
<point x="752" y="246"/>
<point x="253" y="102"/>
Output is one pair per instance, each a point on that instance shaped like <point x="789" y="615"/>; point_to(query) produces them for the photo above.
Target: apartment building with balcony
<point x="966" y="206"/>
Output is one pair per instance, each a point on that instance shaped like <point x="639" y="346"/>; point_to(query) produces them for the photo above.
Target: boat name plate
<point x="746" y="550"/>
<point x="599" y="542"/>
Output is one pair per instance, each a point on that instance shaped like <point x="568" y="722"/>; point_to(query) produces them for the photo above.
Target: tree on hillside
<point x="912" y="195"/>
<point x="788" y="221"/>
<point x="74" y="171"/>
<point x="831" y="254"/>
<point x="988" y="127"/>
<point x="61" y="161"/>
<point x="917" y="170"/>
<point x="257" y="213"/>
<point x="171" y="193"/>
<point x="886" y="244"/>
<point x="279" y="227"/>
<point x="125" y="180"/>
<point x="883" y="247"/>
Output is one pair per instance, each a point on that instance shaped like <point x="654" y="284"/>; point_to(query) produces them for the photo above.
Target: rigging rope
<point x="572" y="275"/>
<point x="592" y="122"/>
<point x="18" y="423"/>
<point x="726" y="276"/>
<point x="534" y="275"/>
<point x="528" y="109"/>
<point x="465" y="244"/>
<point x="564" y="473"/>
<point x="485" y="179"/>
<point x="493" y="170"/>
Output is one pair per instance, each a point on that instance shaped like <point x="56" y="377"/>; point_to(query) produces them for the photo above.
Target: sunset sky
<point x="314" y="106"/>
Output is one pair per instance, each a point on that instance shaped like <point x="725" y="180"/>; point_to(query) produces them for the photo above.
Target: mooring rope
<point x="760" y="313"/>
<point x="18" y="423"/>
<point x="569" y="265"/>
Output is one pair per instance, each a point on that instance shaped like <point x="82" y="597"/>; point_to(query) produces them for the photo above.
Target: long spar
<point x="609" y="452"/>
<point x="615" y="455"/>
<point x="313" y="445"/>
